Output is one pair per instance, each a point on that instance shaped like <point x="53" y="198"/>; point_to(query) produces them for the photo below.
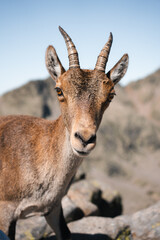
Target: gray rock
<point x="32" y="228"/>
<point x="143" y="225"/>
<point x="85" y="189"/>
<point x="109" y="202"/>
<point x="98" y="225"/>
<point x="70" y="210"/>
<point x="95" y="200"/>
<point x="82" y="193"/>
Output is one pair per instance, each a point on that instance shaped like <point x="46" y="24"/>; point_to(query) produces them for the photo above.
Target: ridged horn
<point x="104" y="54"/>
<point x="72" y="52"/>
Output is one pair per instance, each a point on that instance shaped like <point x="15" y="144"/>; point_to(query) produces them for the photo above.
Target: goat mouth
<point x="81" y="153"/>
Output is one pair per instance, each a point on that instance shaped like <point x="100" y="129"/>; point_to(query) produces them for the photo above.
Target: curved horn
<point x="72" y="52"/>
<point x="103" y="56"/>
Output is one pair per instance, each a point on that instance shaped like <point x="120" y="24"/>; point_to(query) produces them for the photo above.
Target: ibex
<point x="38" y="157"/>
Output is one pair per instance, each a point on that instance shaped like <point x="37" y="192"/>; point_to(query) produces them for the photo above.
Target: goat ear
<point x="53" y="63"/>
<point x="119" y="70"/>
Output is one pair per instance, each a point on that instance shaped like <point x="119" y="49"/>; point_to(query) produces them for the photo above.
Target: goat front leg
<point x="57" y="222"/>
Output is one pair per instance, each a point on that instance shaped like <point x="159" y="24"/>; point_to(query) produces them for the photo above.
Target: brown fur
<point x="38" y="158"/>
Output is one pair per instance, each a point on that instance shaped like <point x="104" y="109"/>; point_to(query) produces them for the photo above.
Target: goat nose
<point x="85" y="142"/>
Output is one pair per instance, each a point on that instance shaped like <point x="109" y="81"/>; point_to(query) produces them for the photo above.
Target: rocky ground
<point x="93" y="213"/>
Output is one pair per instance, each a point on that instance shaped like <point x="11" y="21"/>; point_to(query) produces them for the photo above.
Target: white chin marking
<point x="80" y="153"/>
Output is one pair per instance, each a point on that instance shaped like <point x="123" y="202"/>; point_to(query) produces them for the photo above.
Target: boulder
<point x="82" y="193"/>
<point x="84" y="198"/>
<point x="110" y="202"/>
<point x="142" y="225"/>
<point x="70" y="210"/>
<point x="34" y="227"/>
<point x="85" y="189"/>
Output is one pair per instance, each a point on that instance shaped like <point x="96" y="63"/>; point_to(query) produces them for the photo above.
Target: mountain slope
<point x="35" y="98"/>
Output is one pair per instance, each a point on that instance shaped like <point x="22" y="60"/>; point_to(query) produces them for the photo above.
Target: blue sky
<point x="27" y="27"/>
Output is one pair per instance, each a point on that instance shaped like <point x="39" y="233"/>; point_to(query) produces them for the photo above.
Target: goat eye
<point x="111" y="96"/>
<point x="59" y="91"/>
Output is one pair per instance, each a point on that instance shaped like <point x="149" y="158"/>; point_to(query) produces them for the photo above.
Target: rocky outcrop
<point x="94" y="200"/>
<point x="142" y="225"/>
<point x="83" y="199"/>
<point x="32" y="228"/>
<point x="92" y="213"/>
<point x="83" y="211"/>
